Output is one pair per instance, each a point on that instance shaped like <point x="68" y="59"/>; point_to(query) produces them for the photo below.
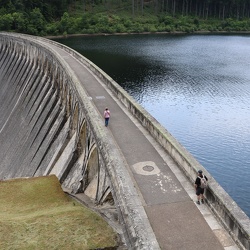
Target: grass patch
<point x="36" y="214"/>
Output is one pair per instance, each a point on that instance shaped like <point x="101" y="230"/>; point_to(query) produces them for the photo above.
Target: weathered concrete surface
<point x="49" y="126"/>
<point x="166" y="197"/>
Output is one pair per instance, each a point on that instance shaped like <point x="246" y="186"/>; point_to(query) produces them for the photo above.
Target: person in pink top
<point x="106" y="116"/>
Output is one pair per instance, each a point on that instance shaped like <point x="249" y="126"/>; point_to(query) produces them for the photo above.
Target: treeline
<point x="220" y="9"/>
<point x="57" y="17"/>
<point x="50" y="9"/>
<point x="30" y="17"/>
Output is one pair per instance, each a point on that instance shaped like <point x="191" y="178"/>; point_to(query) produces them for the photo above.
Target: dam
<point x="52" y="102"/>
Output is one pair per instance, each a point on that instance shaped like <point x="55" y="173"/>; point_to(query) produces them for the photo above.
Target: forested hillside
<point x="61" y="17"/>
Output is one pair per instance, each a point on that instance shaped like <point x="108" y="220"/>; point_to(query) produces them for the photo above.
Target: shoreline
<point x="153" y="33"/>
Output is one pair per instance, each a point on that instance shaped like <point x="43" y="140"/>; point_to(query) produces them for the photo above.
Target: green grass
<point x="36" y="214"/>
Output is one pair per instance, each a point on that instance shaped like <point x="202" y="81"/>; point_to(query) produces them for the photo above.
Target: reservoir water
<point x="196" y="86"/>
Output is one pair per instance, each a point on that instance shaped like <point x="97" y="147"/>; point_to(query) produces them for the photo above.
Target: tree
<point x="37" y="24"/>
<point x="19" y="22"/>
<point x="6" y="22"/>
<point x="65" y="23"/>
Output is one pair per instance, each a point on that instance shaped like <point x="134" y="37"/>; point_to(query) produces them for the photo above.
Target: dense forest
<point x="62" y="17"/>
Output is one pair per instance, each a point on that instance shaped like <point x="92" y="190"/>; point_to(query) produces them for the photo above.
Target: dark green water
<point x="196" y="86"/>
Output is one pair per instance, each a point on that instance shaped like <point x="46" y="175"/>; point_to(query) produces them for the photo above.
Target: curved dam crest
<point x="49" y="126"/>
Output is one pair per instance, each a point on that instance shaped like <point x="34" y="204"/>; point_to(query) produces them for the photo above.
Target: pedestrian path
<point x="167" y="196"/>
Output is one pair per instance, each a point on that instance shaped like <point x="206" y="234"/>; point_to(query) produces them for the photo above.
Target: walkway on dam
<point x="167" y="196"/>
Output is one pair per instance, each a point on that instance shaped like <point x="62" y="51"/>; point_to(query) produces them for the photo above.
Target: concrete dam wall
<point x="39" y="114"/>
<point x="49" y="126"/>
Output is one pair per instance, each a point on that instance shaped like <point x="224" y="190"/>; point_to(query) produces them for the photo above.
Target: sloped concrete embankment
<point x="49" y="126"/>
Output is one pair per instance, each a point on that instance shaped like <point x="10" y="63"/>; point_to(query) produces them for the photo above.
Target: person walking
<point x="200" y="185"/>
<point x="106" y="116"/>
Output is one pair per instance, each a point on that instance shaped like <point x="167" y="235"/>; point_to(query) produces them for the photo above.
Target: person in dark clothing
<point x="200" y="185"/>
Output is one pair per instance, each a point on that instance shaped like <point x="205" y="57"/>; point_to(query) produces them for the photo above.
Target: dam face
<point x="43" y="127"/>
<point x="36" y="120"/>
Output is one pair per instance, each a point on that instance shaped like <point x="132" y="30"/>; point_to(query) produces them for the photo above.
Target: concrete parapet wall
<point x="48" y="126"/>
<point x="235" y="221"/>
